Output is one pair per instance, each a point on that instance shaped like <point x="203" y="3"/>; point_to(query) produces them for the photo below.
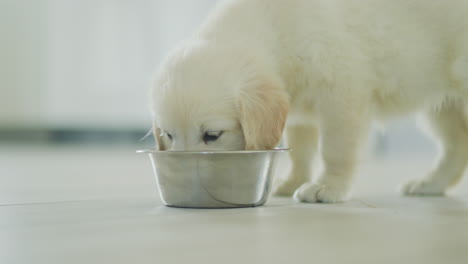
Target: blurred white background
<point x="86" y="63"/>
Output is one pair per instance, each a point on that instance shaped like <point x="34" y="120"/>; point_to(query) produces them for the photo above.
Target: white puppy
<point x="328" y="67"/>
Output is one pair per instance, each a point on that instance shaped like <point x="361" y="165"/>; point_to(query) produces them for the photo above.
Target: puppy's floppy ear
<point x="263" y="109"/>
<point x="157" y="136"/>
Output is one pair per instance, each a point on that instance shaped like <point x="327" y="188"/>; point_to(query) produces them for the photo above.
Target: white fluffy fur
<point x="330" y="67"/>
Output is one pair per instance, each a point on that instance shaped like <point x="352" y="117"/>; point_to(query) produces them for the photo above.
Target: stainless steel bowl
<point x="214" y="179"/>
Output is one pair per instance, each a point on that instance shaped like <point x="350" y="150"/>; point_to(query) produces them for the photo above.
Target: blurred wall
<point x="22" y="57"/>
<point x="86" y="63"/>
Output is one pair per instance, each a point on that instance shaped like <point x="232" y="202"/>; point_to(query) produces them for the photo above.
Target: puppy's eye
<point x="169" y="135"/>
<point x="211" y="136"/>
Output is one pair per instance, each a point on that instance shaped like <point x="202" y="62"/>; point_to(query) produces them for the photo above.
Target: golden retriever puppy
<point x="321" y="70"/>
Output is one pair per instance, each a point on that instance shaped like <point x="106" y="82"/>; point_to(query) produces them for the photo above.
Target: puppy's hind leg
<point x="450" y="126"/>
<point x="303" y="140"/>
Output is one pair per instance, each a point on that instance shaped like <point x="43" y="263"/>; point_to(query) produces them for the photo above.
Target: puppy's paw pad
<point x="286" y="187"/>
<point x="320" y="193"/>
<point x="422" y="187"/>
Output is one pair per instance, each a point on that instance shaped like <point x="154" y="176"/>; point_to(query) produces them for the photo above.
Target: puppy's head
<point x="210" y="98"/>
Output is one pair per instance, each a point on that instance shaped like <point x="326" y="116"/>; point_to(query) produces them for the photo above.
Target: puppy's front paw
<point x="321" y="193"/>
<point x="286" y="187"/>
<point x="423" y="187"/>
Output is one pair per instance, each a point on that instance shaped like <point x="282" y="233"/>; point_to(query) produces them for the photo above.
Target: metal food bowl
<point x="214" y="179"/>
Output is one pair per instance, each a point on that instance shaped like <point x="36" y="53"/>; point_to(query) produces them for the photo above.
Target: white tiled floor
<point x="81" y="205"/>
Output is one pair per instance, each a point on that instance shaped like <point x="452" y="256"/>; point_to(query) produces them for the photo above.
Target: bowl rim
<point x="149" y="151"/>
